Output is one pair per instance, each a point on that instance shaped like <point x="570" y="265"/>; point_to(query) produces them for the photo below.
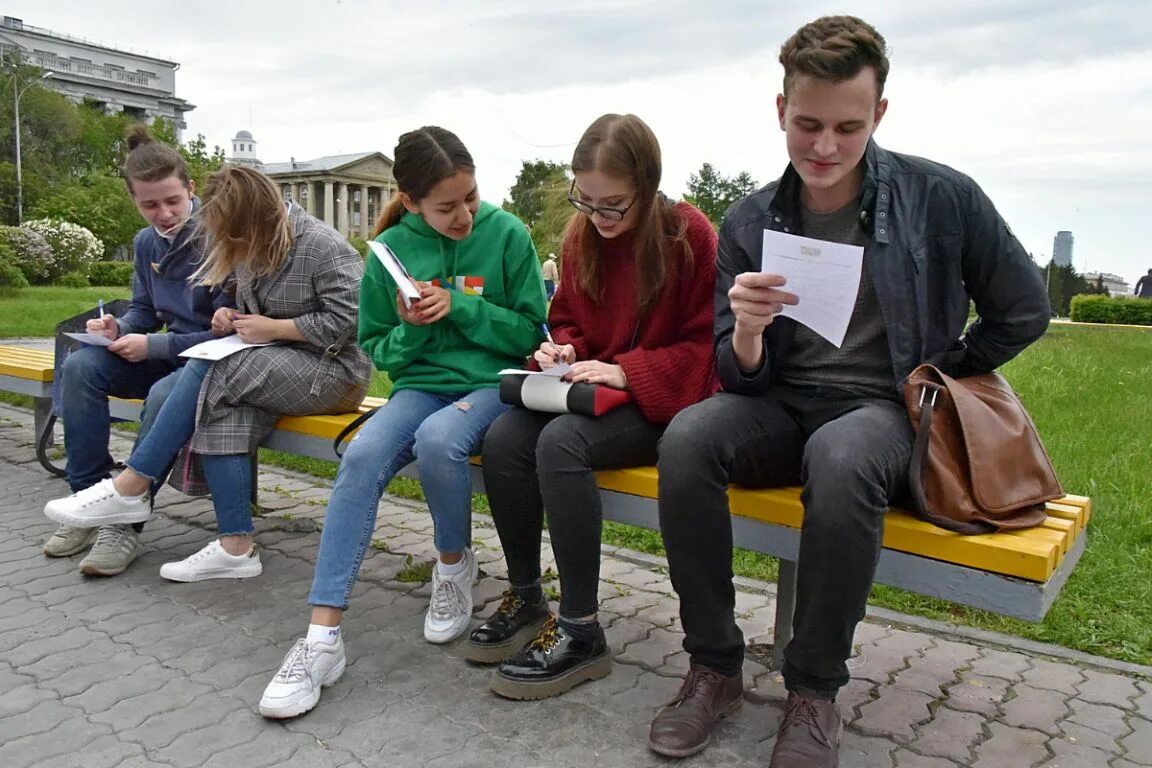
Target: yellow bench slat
<point x="24" y="363"/>
<point x="1030" y="554"/>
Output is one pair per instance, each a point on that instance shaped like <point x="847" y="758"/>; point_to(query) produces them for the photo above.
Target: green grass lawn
<point x="1089" y="390"/>
<point x="34" y="311"/>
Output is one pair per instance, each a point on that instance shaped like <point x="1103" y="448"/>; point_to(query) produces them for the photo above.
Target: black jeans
<point x="850" y="454"/>
<point x="537" y="461"/>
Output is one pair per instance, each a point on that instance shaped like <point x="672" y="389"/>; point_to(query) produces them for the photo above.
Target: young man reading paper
<point x="797" y="409"/>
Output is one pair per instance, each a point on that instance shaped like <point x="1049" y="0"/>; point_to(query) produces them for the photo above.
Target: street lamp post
<point x="18" y="93"/>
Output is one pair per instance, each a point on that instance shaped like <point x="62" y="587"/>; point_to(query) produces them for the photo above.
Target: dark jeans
<point x="537" y="461"/>
<point x="850" y="454"/>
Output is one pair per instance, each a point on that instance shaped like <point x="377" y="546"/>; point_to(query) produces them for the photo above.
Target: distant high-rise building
<point x="1062" y="249"/>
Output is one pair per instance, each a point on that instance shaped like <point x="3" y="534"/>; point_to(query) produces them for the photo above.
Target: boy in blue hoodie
<point x="140" y="362"/>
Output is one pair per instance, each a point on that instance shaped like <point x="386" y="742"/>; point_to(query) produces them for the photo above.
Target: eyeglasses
<point x="611" y="214"/>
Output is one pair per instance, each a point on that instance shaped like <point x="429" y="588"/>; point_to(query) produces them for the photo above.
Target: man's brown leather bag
<point x="977" y="464"/>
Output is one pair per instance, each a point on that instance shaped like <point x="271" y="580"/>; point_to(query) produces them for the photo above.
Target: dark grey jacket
<point x="935" y="241"/>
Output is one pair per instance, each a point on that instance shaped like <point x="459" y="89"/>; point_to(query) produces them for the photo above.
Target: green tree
<point x="99" y="202"/>
<point x="537" y="182"/>
<point x="713" y="193"/>
<point x="1063" y="283"/>
<point x="201" y="163"/>
<point x="540" y="198"/>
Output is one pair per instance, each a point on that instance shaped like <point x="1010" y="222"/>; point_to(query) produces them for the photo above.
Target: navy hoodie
<point x="162" y="295"/>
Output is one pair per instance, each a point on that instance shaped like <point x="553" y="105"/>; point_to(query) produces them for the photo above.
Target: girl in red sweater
<point x="633" y="312"/>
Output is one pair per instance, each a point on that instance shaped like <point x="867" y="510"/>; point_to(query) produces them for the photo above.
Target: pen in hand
<point x="100" y="307"/>
<point x="548" y="335"/>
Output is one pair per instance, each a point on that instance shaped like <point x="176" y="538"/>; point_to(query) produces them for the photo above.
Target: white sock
<point x="444" y="569"/>
<point x="318" y="633"/>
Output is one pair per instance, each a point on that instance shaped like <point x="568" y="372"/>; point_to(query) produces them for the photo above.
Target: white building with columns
<point x="117" y="81"/>
<point x="346" y="191"/>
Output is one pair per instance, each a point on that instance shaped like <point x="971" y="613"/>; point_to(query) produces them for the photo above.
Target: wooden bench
<point x="1017" y="574"/>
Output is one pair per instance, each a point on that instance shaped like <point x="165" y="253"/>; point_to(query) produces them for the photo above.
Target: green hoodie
<point x="498" y="304"/>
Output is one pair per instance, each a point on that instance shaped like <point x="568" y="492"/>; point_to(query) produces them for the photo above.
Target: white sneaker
<point x="213" y="562"/>
<point x="98" y="505"/>
<point x="67" y="540"/>
<point x="451" y="606"/>
<point x="307" y="668"/>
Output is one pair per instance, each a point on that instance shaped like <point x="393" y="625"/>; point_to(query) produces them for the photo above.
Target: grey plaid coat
<point x="319" y="288"/>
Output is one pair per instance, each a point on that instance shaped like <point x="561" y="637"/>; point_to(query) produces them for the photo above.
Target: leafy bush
<point x="110" y="273"/>
<point x="30" y="253"/>
<point x="1122" y="310"/>
<point x="10" y="276"/>
<point x="73" y="279"/>
<point x="73" y="246"/>
<point x="360" y="244"/>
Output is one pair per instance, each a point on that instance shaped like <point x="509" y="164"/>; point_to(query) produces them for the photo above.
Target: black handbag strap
<point x="337" y="444"/>
<point x="919" y="465"/>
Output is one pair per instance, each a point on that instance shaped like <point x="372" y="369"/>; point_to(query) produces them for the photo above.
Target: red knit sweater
<point x="670" y="364"/>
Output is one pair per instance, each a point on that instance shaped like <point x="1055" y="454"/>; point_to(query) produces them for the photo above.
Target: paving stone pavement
<point x="134" y="671"/>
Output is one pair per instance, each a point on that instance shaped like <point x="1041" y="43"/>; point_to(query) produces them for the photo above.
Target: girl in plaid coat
<point x="296" y="282"/>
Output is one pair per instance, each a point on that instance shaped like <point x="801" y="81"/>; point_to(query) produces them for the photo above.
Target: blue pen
<point x="547" y="333"/>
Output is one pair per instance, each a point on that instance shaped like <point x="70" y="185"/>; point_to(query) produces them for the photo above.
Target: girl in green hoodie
<point x="480" y="309"/>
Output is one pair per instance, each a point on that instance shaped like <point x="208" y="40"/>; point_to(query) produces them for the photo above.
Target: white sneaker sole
<point x="97" y="521"/>
<point x="243" y="572"/>
<point x="283" y="710"/>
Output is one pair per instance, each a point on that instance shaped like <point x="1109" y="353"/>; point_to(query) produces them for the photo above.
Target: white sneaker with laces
<point x="212" y="562"/>
<point x="98" y="505"/>
<point x="308" y="667"/>
<point x="450" y="609"/>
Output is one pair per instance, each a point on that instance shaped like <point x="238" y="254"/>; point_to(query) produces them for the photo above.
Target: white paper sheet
<point x="218" y="349"/>
<point x="95" y="339"/>
<point x="557" y="371"/>
<point x="825" y="276"/>
<point x="403" y="280"/>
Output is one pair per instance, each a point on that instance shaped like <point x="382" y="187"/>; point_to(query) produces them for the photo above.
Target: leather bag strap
<point x="929" y="392"/>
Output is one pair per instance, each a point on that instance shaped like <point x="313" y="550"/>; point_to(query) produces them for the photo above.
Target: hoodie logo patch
<point x="464" y="284"/>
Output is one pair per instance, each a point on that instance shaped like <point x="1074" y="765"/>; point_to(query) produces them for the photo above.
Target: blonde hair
<point x="248" y="222"/>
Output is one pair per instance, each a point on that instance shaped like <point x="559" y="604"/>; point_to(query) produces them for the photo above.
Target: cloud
<point x="1047" y="104"/>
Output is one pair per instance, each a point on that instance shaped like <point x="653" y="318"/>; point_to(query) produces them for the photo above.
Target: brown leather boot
<point x="809" y="734"/>
<point x="684" y="727"/>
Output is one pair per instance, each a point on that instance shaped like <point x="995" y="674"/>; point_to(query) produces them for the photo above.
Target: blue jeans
<point x="229" y="476"/>
<point x="89" y="377"/>
<point x="435" y="428"/>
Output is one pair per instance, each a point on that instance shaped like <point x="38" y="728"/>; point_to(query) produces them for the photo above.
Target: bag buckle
<point x="923" y="390"/>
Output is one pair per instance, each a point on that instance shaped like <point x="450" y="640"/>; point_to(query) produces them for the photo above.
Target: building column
<point x="329" y="205"/>
<point x="365" y="212"/>
<point x="342" y="208"/>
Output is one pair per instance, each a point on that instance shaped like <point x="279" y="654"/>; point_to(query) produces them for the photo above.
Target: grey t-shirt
<point x="862" y="366"/>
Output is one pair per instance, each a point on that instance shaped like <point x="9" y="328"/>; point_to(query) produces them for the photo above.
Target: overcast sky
<point x="1047" y="104"/>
